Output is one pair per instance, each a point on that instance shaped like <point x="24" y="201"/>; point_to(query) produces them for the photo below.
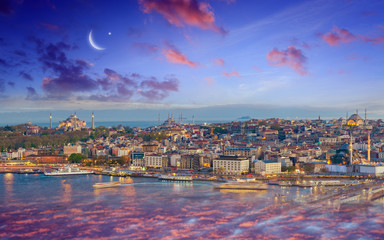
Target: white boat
<point x="175" y="178"/>
<point x="247" y="180"/>
<point x="107" y="184"/>
<point x="68" y="170"/>
<point x="242" y="186"/>
<point x="113" y="184"/>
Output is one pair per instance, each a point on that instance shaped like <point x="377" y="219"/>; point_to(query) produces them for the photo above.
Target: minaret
<point x="93" y="120"/>
<point x="181" y="119"/>
<point x="159" y="119"/>
<point x="193" y="119"/>
<point x="50" y="120"/>
<point x="369" y="147"/>
<point x="350" y="150"/>
<point x="365" y="119"/>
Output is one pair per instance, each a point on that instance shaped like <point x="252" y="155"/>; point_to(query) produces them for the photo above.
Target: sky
<point x="295" y="58"/>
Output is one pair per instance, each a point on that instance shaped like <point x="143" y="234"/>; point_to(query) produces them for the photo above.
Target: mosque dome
<point x="355" y="120"/>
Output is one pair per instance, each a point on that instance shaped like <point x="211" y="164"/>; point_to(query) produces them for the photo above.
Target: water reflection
<point x="67" y="191"/>
<point x="8" y="182"/>
<point x="149" y="209"/>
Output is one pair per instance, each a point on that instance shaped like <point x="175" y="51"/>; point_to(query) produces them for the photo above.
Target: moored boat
<point x="242" y="186"/>
<point x="66" y="171"/>
<point x="175" y="177"/>
<point x="107" y="184"/>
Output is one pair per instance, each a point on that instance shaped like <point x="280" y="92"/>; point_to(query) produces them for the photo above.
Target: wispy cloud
<point x="232" y="74"/>
<point x="175" y="56"/>
<point x="219" y="62"/>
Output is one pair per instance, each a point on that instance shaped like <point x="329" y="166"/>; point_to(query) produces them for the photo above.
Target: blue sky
<point x="304" y="56"/>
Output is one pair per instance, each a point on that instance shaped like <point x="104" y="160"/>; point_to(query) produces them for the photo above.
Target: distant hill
<point x="244" y="118"/>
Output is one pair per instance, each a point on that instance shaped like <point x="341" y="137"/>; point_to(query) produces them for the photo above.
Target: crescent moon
<point x="93" y="44"/>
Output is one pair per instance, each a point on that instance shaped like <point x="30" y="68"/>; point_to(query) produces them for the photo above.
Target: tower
<point x="193" y="119"/>
<point x="369" y="147"/>
<point x="181" y="119"/>
<point x="350" y="150"/>
<point x="347" y="117"/>
<point x="365" y="118"/>
<point x="93" y="120"/>
<point x="50" y="120"/>
<point x="159" y="119"/>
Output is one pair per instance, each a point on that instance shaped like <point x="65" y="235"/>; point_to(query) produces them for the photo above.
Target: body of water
<point x="41" y="207"/>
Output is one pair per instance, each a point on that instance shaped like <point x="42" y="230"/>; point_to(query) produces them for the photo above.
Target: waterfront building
<point x="231" y="165"/>
<point x="267" y="167"/>
<point x="47" y="159"/>
<point x="137" y="161"/>
<point x="190" y="161"/>
<point x="156" y="161"/>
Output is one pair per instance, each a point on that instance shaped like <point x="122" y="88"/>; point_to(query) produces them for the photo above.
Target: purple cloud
<point x="11" y="84"/>
<point x="2" y="86"/>
<point x="153" y="89"/>
<point x="122" y="87"/>
<point x="133" y="32"/>
<point x="69" y="75"/>
<point x="31" y="94"/>
<point x="4" y="63"/>
<point x="20" y="53"/>
<point x="6" y="7"/>
<point x="145" y="47"/>
<point x="26" y="76"/>
<point x="66" y="77"/>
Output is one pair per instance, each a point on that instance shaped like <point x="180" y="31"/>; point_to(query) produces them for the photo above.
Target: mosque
<point x="356" y="120"/>
<point x="73" y="122"/>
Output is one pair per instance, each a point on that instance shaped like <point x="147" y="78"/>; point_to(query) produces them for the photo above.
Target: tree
<point x="291" y="168"/>
<point x="76" y="158"/>
<point x="309" y="168"/>
<point x="276" y="126"/>
<point x="220" y="130"/>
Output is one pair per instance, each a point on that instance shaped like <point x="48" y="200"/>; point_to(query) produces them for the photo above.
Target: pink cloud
<point x="232" y="74"/>
<point x="338" y="36"/>
<point x="174" y="56"/>
<point x="257" y="68"/>
<point x="292" y="58"/>
<point x="377" y="39"/>
<point x="374" y="40"/>
<point x="219" y="62"/>
<point x="184" y="12"/>
<point x="209" y="80"/>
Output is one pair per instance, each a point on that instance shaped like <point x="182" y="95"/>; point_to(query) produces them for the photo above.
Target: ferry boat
<point x="107" y="184"/>
<point x="175" y="178"/>
<point x="242" y="186"/>
<point x="247" y="180"/>
<point x="66" y="171"/>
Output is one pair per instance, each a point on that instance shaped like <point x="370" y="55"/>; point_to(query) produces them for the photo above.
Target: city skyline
<point x="294" y="59"/>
